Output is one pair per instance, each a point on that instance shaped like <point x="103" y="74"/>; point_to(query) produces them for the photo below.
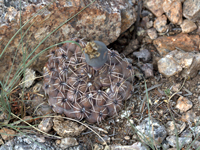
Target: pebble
<point x="28" y="119"/>
<point x="66" y="128"/>
<point x="125" y="113"/>
<point x="68" y="142"/>
<point x="150" y="127"/>
<point x="171" y="127"/>
<point x="173" y="10"/>
<point x="155" y="6"/>
<point x="193" y="13"/>
<point x="97" y="147"/>
<point x="189" y="116"/>
<point x="160" y="24"/>
<point x="188" y="26"/>
<point x="7" y="134"/>
<point x="152" y="33"/>
<point x="147" y="68"/>
<point x="135" y="146"/>
<point x="46" y="124"/>
<point x="183" y="104"/>
<point x="127" y="138"/>
<point x="174" y="62"/>
<point x="143" y="55"/>
<point x="29" y="78"/>
<point x="132" y="46"/>
<point x="182" y="141"/>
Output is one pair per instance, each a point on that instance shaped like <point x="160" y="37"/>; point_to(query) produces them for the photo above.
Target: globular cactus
<point x="91" y="83"/>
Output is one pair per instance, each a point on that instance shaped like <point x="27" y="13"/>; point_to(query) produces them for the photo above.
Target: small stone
<point x="183" y="104"/>
<point x="171" y="127"/>
<point x="68" y="142"/>
<point x="189" y="116"/>
<point x="28" y="119"/>
<point x="191" y="9"/>
<point x="143" y="54"/>
<point x="125" y="113"/>
<point x="182" y="41"/>
<point x="188" y="26"/>
<point x="46" y="124"/>
<point x="132" y="46"/>
<point x="176" y="87"/>
<point x="29" y="78"/>
<point x="152" y="33"/>
<point x="182" y="141"/>
<point x="196" y="144"/>
<point x="7" y="134"/>
<point x="67" y="128"/>
<point x="151" y="128"/>
<point x="192" y="71"/>
<point x="147" y="68"/>
<point x="173" y="10"/>
<point x="155" y="6"/>
<point x="127" y="138"/>
<point x="168" y="66"/>
<point x="1" y="142"/>
<point x="135" y="146"/>
<point x="160" y="24"/>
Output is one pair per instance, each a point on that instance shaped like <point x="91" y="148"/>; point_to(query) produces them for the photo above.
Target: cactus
<point x="89" y="83"/>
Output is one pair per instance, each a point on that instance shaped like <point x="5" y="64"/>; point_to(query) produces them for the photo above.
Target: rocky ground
<point x="160" y="39"/>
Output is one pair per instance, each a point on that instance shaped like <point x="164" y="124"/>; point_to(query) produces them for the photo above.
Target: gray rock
<point x="28" y="142"/>
<point x="68" y="142"/>
<point x="160" y="24"/>
<point x="151" y="128"/>
<point x="46" y="124"/>
<point x="135" y="146"/>
<point x="182" y="141"/>
<point x="193" y="13"/>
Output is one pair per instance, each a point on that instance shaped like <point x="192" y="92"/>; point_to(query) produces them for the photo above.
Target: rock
<point x="182" y="41"/>
<point x="189" y="116"/>
<point x="182" y="141"/>
<point x="151" y="128"/>
<point x="135" y="146"/>
<point x="7" y="134"/>
<point x="46" y="124"/>
<point x="100" y="21"/>
<point x="152" y="33"/>
<point x="132" y="46"/>
<point x="192" y="71"/>
<point x="193" y="13"/>
<point x="125" y="113"/>
<point x="196" y="144"/>
<point x="147" y="68"/>
<point x="176" y="87"/>
<point x="168" y="66"/>
<point x="171" y="127"/>
<point x="67" y="128"/>
<point x="29" y="78"/>
<point x="183" y="104"/>
<point x="173" y="10"/>
<point x="28" y="119"/>
<point x="143" y="54"/>
<point x="160" y="24"/>
<point x="155" y="6"/>
<point x="28" y="142"/>
<point x="98" y="147"/>
<point x="174" y="62"/>
<point x="68" y="142"/>
<point x="188" y="26"/>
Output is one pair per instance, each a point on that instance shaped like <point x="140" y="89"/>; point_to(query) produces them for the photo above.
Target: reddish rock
<point x="155" y="6"/>
<point x="193" y="13"/>
<point x="173" y="10"/>
<point x="100" y="21"/>
<point x="185" y="42"/>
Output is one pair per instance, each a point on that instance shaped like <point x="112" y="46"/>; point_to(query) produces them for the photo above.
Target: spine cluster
<point x="79" y="90"/>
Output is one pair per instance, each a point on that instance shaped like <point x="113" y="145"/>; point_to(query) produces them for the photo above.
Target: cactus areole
<point x="89" y="83"/>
